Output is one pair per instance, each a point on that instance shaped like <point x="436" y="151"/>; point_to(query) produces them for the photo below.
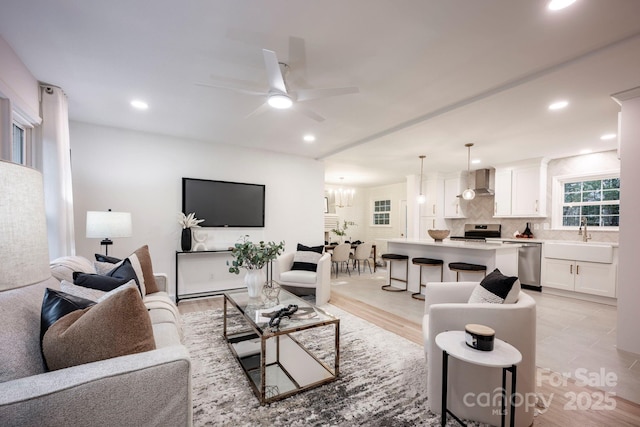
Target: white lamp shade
<point x="108" y="224"/>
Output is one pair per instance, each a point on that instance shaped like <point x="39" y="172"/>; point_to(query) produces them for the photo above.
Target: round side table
<point x="503" y="355"/>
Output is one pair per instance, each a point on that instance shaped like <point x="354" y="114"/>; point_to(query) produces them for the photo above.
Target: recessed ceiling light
<point x="309" y="138"/>
<point x="559" y="4"/>
<point x="140" y="105"/>
<point x="476" y="161"/>
<point x="607" y="136"/>
<point x="586" y="151"/>
<point x="558" y="105"/>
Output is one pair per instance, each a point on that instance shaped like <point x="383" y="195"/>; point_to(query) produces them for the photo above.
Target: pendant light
<point x="468" y="194"/>
<point x="421" y="197"/>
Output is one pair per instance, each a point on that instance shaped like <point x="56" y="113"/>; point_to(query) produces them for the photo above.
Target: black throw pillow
<point x="496" y="288"/>
<point x="307" y="257"/>
<point x="107" y="258"/>
<point x="57" y="304"/>
<point x="108" y="282"/>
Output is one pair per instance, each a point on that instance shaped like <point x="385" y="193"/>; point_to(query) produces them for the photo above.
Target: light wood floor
<point x="565" y="400"/>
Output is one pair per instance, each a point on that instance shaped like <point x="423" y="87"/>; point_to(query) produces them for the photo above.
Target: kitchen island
<point x="503" y="256"/>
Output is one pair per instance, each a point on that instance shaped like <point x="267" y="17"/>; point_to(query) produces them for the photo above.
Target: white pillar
<point x="628" y="294"/>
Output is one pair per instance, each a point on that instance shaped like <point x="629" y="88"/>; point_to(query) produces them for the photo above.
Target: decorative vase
<point x="271" y="290"/>
<point x="254" y="281"/>
<point x="185" y="240"/>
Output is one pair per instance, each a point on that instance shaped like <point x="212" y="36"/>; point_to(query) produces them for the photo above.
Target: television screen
<point x="224" y="204"/>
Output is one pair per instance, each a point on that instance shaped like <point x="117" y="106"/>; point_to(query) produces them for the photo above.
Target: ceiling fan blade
<point x="308" y="94"/>
<point x="231" y="88"/>
<point x="260" y="110"/>
<point x="309" y="113"/>
<point x="276" y="81"/>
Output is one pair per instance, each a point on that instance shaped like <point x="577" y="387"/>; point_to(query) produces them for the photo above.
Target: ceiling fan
<point x="279" y="95"/>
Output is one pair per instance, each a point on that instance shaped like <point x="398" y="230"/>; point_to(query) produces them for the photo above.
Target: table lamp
<point x="108" y="225"/>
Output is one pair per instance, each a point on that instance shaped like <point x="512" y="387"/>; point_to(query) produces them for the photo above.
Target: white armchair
<point x="304" y="282"/>
<point x="446" y="309"/>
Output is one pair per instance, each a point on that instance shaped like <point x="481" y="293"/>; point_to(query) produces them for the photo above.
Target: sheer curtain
<point x="56" y="169"/>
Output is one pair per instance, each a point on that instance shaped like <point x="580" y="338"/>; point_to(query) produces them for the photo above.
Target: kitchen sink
<point x="590" y="252"/>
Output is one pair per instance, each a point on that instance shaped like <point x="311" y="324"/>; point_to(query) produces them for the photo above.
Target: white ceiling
<point x="433" y="75"/>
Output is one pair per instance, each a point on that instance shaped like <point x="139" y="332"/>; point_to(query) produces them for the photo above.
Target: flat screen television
<point x="223" y="203"/>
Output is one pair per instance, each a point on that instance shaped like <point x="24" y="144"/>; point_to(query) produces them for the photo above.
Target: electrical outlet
<point x="211" y="276"/>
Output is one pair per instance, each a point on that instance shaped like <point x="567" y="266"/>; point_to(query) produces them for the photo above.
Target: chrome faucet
<point x="585" y="237"/>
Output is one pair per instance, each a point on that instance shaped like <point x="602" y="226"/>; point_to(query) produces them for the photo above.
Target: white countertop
<point x="448" y="243"/>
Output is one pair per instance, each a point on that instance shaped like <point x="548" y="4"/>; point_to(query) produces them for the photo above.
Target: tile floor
<point x="574" y="338"/>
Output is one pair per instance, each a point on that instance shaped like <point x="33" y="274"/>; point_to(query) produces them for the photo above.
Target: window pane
<point x="593" y="221"/>
<point x="592" y="196"/>
<point x="591" y="185"/>
<point x="590" y="210"/>
<point x="570" y="221"/>
<point x="572" y="198"/>
<point x="610" y="221"/>
<point x="572" y="187"/>
<point x="611" y="183"/>
<point x="611" y="195"/>
<point x="571" y="211"/>
<point x="17" y="152"/>
<point x="611" y="210"/>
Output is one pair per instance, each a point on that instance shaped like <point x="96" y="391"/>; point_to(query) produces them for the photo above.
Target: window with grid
<point x="596" y="200"/>
<point x="381" y="212"/>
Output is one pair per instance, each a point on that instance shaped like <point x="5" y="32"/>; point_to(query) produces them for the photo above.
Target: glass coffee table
<point x="303" y="352"/>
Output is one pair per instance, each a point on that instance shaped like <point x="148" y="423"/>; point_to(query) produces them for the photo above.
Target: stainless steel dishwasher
<point x="529" y="263"/>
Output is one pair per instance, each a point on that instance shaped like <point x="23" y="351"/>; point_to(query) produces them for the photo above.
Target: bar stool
<point x="425" y="262"/>
<point x="465" y="267"/>
<point x="391" y="258"/>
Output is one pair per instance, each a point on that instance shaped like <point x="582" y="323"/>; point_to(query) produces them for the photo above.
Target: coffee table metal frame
<point x="270" y="356"/>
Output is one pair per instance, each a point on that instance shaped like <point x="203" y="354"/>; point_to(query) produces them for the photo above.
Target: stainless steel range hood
<point x="482" y="183"/>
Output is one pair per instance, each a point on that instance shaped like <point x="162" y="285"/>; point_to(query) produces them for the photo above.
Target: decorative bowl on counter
<point x="438" y="235"/>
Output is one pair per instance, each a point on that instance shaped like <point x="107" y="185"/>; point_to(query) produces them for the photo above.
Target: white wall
<point x="628" y="279"/>
<point x="18" y="84"/>
<point x="18" y="93"/>
<point x="141" y="173"/>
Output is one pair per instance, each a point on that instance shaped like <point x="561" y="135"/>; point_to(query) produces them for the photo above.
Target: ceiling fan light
<point x="468" y="194"/>
<point x="421" y="199"/>
<point x="280" y="101"/>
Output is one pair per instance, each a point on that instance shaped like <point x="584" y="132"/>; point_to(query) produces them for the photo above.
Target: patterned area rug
<point x="382" y="381"/>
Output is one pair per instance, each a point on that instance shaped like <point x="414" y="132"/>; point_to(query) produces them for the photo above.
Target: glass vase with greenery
<point x="253" y="256"/>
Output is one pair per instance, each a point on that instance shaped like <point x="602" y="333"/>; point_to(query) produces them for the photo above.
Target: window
<point x="18" y="145"/>
<point x="381" y="212"/>
<point x="597" y="199"/>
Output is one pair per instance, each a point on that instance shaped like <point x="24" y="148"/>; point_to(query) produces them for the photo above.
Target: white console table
<point x="220" y="282"/>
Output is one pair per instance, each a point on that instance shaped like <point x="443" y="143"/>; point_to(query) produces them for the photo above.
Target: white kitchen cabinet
<point x="432" y="210"/>
<point x="452" y="189"/>
<point x="580" y="276"/>
<point x="521" y="190"/>
<point x="502" y="192"/>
